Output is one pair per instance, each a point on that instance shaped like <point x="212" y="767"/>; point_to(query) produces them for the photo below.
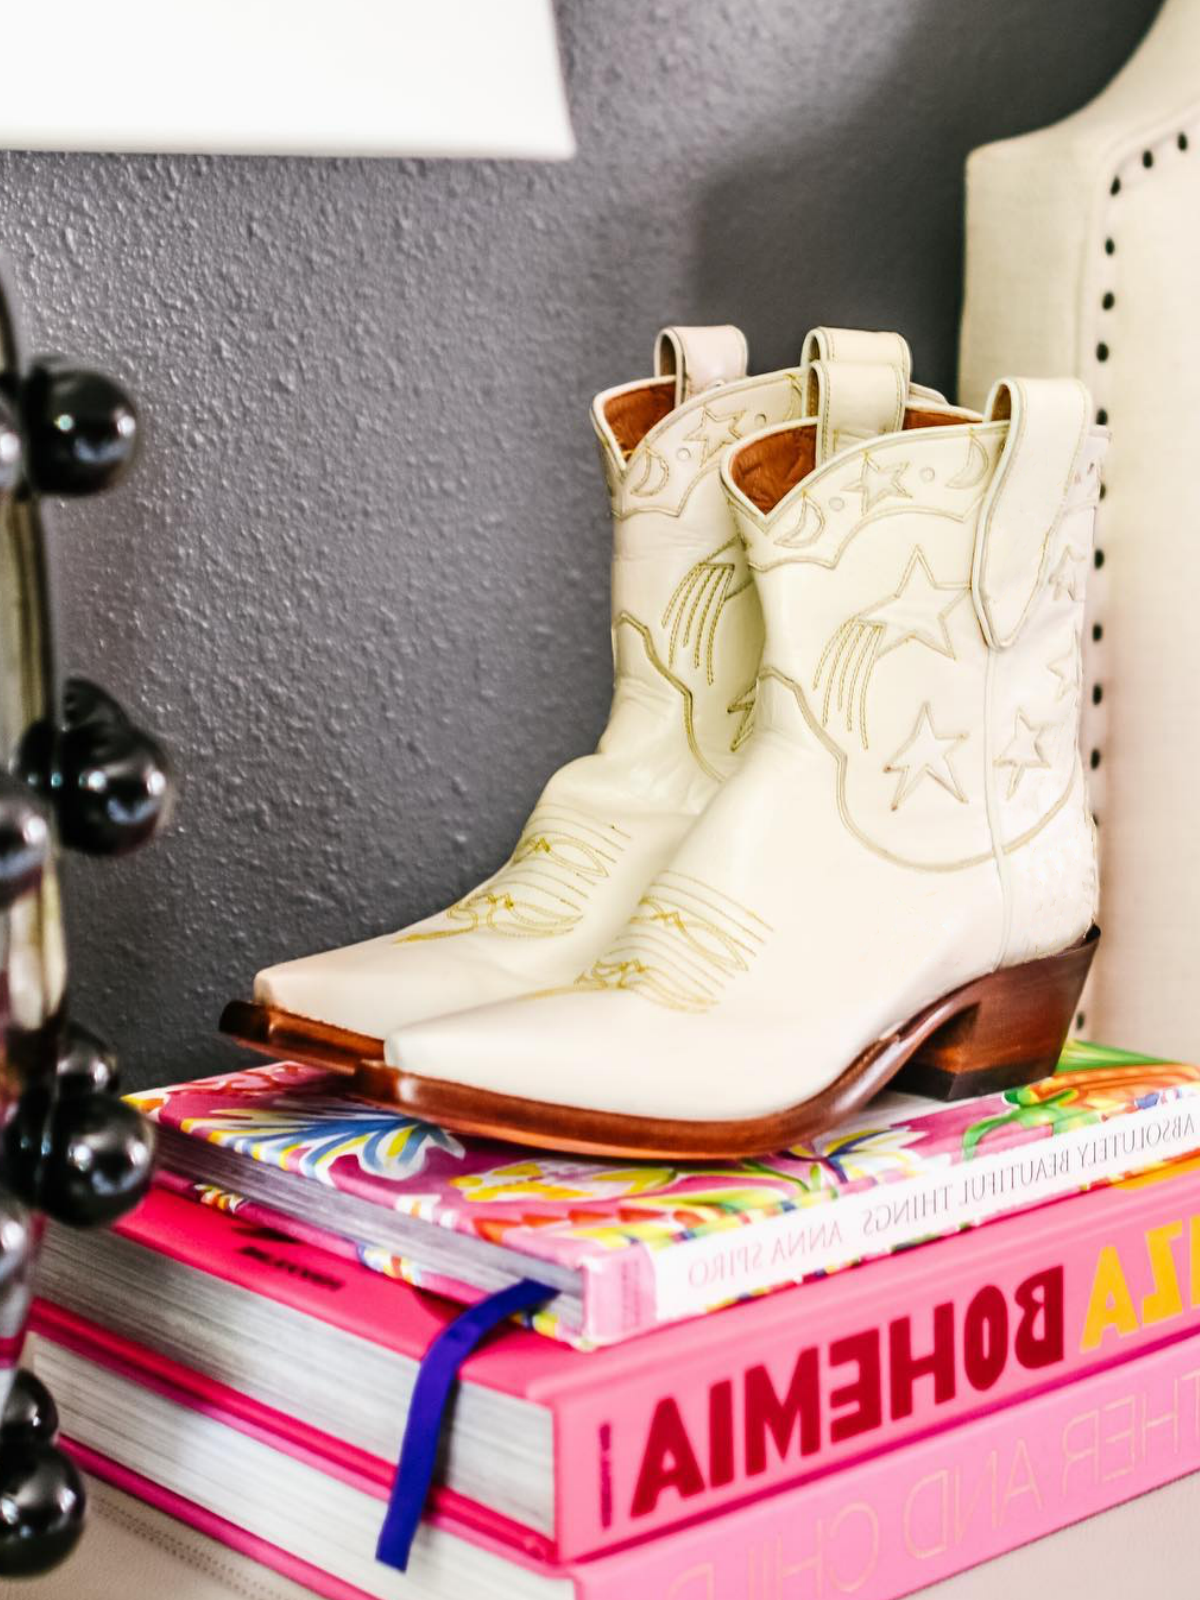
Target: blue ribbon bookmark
<point x="431" y="1395"/>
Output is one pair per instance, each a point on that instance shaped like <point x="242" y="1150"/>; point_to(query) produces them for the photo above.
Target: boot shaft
<point x="687" y="622"/>
<point x="923" y="602"/>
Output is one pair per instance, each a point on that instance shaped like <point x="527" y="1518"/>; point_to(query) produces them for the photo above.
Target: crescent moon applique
<point x="654" y="475"/>
<point x="805" y="530"/>
<point x="974" y="470"/>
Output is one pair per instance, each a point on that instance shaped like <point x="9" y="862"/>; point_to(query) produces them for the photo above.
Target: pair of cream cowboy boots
<point x="836" y="828"/>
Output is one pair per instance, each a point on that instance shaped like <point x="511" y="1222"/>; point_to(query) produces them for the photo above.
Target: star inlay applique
<point x="926" y="754"/>
<point x="916" y="610"/>
<point x="877" y="483"/>
<point x="1067" y="669"/>
<point x="1067" y="578"/>
<point x="1024" y="751"/>
<point x="713" y="432"/>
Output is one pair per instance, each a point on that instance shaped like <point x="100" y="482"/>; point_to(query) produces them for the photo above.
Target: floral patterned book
<point x="627" y="1246"/>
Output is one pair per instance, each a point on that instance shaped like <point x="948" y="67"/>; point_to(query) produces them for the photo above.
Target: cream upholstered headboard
<point x="1083" y="257"/>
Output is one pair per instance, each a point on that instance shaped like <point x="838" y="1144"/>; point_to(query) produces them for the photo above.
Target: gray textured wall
<point x="359" y="579"/>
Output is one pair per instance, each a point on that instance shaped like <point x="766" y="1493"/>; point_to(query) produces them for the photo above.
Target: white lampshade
<point x="285" y="77"/>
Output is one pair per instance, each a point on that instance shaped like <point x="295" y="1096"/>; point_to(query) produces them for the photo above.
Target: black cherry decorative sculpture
<point x="73" y="771"/>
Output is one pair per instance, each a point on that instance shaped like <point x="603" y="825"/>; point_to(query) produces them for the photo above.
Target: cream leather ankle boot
<point x="902" y="869"/>
<point x="687" y="637"/>
<point x="687" y="633"/>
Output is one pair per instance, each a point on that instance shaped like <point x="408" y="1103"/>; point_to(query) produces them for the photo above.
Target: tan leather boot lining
<point x="915" y="418"/>
<point x="771" y="467"/>
<point x="632" y="415"/>
<point x="637" y="410"/>
<point x="768" y="468"/>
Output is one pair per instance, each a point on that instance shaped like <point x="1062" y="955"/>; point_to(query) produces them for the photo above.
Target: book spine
<point x="769" y="1394"/>
<point x="694" y="1276"/>
<point x="910" y="1518"/>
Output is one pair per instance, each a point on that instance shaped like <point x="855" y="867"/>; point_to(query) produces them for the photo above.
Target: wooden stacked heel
<point x="1002" y="1030"/>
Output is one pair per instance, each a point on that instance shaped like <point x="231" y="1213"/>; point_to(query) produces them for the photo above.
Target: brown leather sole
<point x="997" y="1032"/>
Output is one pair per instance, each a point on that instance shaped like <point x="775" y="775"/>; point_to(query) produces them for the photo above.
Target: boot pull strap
<point x="854" y="401"/>
<point x="857" y="344"/>
<point x="1047" y="425"/>
<point x="700" y="358"/>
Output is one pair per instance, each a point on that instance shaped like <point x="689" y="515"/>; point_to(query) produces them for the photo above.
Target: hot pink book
<point x="899" y="1521"/>
<point x="633" y="1245"/>
<point x="713" y="1412"/>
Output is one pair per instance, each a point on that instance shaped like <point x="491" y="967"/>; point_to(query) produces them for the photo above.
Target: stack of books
<point x="935" y="1334"/>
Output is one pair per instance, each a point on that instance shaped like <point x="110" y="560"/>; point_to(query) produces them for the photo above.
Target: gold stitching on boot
<point x="500" y="912"/>
<point x="743" y="705"/>
<point x="825" y="488"/>
<point x="764" y="396"/>
<point x="692" y="884"/>
<point x="876" y="483"/>
<point x="868" y="657"/>
<point x="643" y="487"/>
<point x="626" y="619"/>
<point x="552" y="861"/>
<point x="841" y="761"/>
<point x="796" y="538"/>
<point x="679" y="948"/>
<point x="831" y="561"/>
<point x="709" y="581"/>
<point x="714" y="432"/>
<point x="900" y="613"/>
<point x="878" y="629"/>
